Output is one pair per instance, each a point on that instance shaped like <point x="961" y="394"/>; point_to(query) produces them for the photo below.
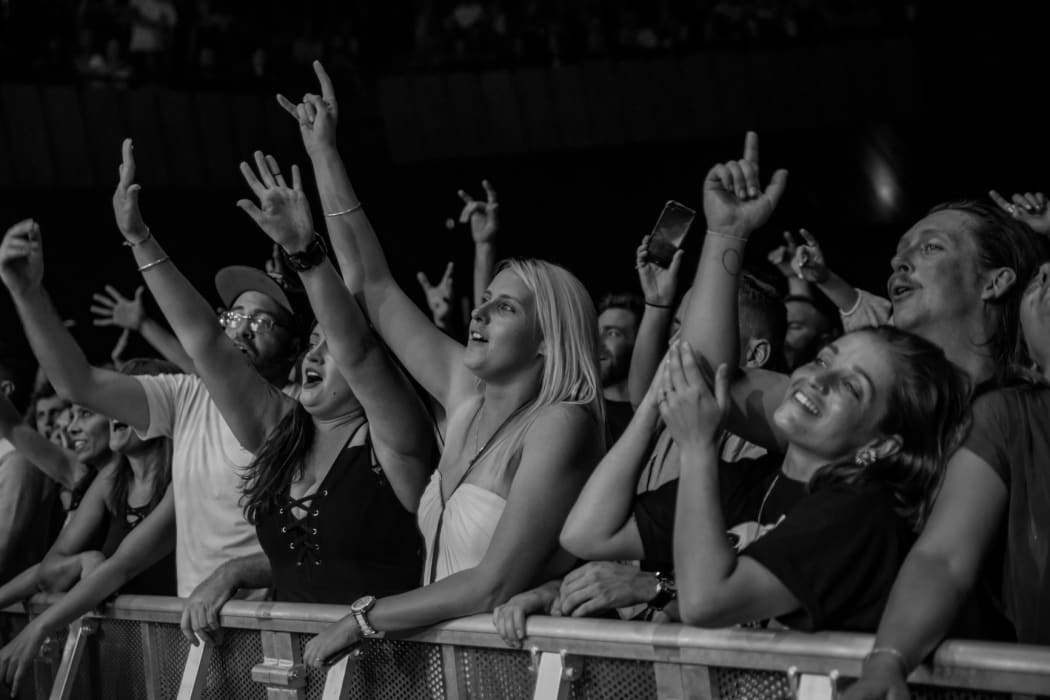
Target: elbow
<point x="701" y="611"/>
<point x="54" y="579"/>
<point x="582" y="544"/>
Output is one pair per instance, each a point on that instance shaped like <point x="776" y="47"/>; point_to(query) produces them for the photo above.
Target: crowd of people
<point x="217" y="42"/>
<point x="754" y="445"/>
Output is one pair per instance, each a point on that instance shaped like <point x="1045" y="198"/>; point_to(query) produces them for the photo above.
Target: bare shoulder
<point x="566" y="427"/>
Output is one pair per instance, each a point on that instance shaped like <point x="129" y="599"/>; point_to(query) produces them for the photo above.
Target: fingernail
<point x="753" y="192"/>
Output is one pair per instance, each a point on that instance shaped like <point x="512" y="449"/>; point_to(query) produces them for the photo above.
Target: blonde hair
<point x="568" y="325"/>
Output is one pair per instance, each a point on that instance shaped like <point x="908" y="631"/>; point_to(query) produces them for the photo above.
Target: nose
<point x="820" y="381"/>
<point x="241" y="329"/>
<point x="900" y="263"/>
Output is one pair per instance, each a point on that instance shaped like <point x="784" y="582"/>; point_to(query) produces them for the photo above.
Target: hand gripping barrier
<point x="133" y="649"/>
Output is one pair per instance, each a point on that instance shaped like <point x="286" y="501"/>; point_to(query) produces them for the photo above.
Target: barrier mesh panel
<point x="229" y="675"/>
<point x="739" y="683"/>
<point x="120" y="663"/>
<point x="496" y="673"/>
<point x="615" y="678"/>
<point x="930" y="692"/>
<point x="172" y="650"/>
<point x="396" y="670"/>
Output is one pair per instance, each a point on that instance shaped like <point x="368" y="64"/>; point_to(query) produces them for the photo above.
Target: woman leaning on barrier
<point x="524" y="407"/>
<point x="866" y="427"/>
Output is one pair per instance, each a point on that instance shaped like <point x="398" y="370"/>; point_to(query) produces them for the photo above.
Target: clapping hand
<point x="283" y="212"/>
<point x="1030" y="208"/>
<point x="317" y="115"/>
<point x="692" y="412"/>
<point x="482" y="216"/>
<point x="734" y="203"/>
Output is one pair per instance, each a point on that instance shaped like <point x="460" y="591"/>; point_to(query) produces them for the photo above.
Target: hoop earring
<point x="864" y="458"/>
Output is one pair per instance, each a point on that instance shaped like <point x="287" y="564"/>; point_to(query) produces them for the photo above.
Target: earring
<point x="864" y="458"/>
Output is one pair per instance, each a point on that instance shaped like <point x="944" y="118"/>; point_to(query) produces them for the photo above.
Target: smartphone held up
<point x="669" y="232"/>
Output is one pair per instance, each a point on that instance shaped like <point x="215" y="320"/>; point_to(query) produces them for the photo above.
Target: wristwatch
<point x="315" y="253"/>
<point x="665" y="592"/>
<point x="359" y="608"/>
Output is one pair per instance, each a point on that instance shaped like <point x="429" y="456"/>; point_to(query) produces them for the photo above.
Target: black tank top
<point x="158" y="579"/>
<point x="355" y="539"/>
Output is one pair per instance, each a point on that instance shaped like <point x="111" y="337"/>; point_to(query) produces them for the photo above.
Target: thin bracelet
<point x="892" y="652"/>
<point x="351" y="210"/>
<point x="658" y="306"/>
<point x="149" y="235"/>
<point x="726" y="235"/>
<point x="143" y="268"/>
<point x="856" y="305"/>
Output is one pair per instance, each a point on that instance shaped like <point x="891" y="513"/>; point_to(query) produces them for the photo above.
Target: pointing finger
<point x="327" y="91"/>
<point x="751" y="148"/>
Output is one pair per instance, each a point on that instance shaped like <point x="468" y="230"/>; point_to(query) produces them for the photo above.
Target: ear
<point x="884" y="447"/>
<point x="998" y="282"/>
<point x="757" y="353"/>
<point x="7" y="386"/>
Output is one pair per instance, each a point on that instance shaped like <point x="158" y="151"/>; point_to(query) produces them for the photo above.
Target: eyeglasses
<point x="258" y="322"/>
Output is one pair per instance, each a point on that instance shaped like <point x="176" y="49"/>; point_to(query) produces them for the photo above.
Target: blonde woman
<point x="524" y="406"/>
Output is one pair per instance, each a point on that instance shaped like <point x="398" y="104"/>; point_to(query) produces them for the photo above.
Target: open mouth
<point x="899" y="289"/>
<point x="311" y="377"/>
<point x="806" y="403"/>
<point x="476" y="337"/>
<point x="79" y="444"/>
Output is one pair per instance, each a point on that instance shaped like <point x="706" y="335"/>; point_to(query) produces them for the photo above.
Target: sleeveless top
<point x="158" y="579"/>
<point x="468" y="522"/>
<point x="355" y="539"/>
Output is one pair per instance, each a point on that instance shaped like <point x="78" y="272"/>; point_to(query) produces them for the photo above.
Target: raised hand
<point x="317" y="115"/>
<point x="22" y="257"/>
<point x="808" y="261"/>
<point x="782" y="255"/>
<point x="1030" y="208"/>
<point x="118" y="310"/>
<point x="658" y="284"/>
<point x="734" y="203"/>
<point x="483" y="216"/>
<point x="126" y="198"/>
<point x="283" y="212"/>
<point x="691" y="411"/>
<point x="439" y="296"/>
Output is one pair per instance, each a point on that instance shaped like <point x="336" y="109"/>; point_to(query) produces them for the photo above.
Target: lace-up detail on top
<point x="301" y="533"/>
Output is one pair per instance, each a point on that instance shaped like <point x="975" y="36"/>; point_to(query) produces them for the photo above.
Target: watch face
<point x="363" y="604"/>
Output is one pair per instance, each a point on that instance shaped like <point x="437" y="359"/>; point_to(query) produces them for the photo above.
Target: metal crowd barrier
<point x="133" y="650"/>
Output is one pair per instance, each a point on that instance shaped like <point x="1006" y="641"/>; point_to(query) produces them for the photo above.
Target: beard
<point x="615" y="367"/>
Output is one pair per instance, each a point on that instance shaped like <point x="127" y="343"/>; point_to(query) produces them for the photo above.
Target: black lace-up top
<point x="158" y="579"/>
<point x="355" y="537"/>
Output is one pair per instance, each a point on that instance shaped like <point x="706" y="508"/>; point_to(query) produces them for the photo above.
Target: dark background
<point x="875" y="127"/>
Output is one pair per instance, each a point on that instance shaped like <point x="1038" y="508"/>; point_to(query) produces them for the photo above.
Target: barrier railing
<point x="133" y="649"/>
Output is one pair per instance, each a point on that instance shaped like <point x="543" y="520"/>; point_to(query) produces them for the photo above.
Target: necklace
<point x="765" y="498"/>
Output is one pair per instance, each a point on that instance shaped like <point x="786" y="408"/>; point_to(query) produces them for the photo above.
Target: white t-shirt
<point x="206" y="468"/>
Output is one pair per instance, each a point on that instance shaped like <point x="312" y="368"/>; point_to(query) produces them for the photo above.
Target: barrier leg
<point x="151" y="660"/>
<point x="808" y="686"/>
<point x="282" y="671"/>
<point x="195" y="672"/>
<point x="676" y="682"/>
<point x="76" y="641"/>
<point x="554" y="675"/>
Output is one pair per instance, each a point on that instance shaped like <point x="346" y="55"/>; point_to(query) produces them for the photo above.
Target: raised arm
<point x="483" y="218"/>
<point x="62" y="565"/>
<point x="400" y="427"/>
<point x="561" y="447"/>
<point x="130" y="314"/>
<point x="659" y="286"/>
<point x="144" y="546"/>
<point x="248" y="402"/>
<point x="60" y="465"/>
<point x="22" y="270"/>
<point x="600" y="525"/>
<point x="433" y="358"/>
<point x="735" y="206"/>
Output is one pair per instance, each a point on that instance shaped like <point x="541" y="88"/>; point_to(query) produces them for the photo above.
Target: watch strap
<point x="314" y="254"/>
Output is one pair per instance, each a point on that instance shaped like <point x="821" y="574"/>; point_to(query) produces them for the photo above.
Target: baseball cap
<point x="234" y="280"/>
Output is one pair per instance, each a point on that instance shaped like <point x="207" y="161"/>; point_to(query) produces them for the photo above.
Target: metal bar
<point x="151" y="660"/>
<point x="72" y="653"/>
<point x="677" y="682"/>
<point x="281" y="670"/>
<point x="336" y="682"/>
<point x="195" y="672"/>
<point x="454" y="685"/>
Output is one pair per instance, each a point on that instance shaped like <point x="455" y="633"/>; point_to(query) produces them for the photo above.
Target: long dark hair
<point x="1003" y="241"/>
<point x="268" y="477"/>
<point x="124" y="476"/>
<point x="928" y="408"/>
